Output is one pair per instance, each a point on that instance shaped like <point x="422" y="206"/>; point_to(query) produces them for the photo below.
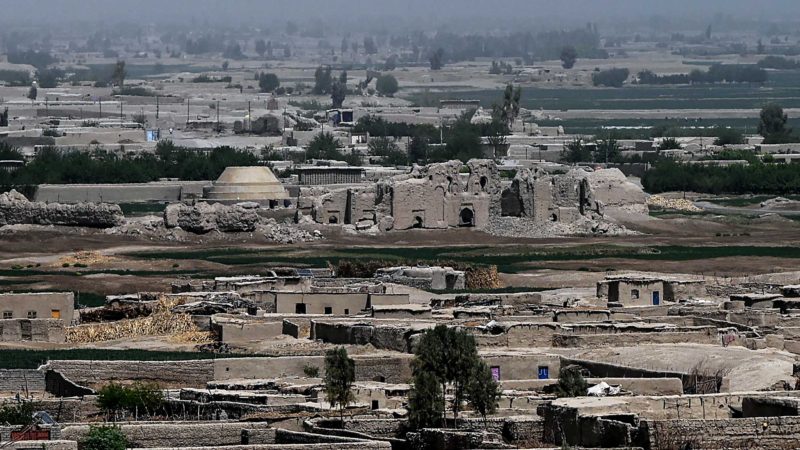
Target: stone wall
<point x="21" y="380"/>
<point x="36" y="330"/>
<point x="175" y="434"/>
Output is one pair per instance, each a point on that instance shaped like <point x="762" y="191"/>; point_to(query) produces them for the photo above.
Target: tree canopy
<point x="340" y="373"/>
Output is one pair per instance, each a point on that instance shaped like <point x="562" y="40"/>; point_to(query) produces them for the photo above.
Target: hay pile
<point x="677" y="204"/>
<point x="161" y="322"/>
<point x="86" y="258"/>
<point x="482" y="278"/>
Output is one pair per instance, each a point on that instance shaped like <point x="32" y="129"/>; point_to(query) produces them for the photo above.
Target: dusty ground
<point x="41" y="252"/>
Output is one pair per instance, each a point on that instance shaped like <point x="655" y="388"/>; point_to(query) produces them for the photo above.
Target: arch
<point x="553" y="217"/>
<point x="466" y="218"/>
<point x="379" y="378"/>
<point x="418" y="222"/>
<point x="484" y="181"/>
<point x="333" y="219"/>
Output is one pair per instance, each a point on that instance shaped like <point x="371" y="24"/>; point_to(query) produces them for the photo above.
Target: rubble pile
<point x="528" y="228"/>
<point x="15" y="209"/>
<point x="677" y="204"/>
<point x="204" y="217"/>
<point x="286" y="233"/>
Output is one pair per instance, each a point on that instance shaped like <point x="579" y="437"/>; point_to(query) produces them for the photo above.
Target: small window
<point x="634" y="294"/>
<point x="300" y="308"/>
<point x="375" y="404"/>
<point x="31" y="314"/>
<point x="346" y="312"/>
<point x="496" y="373"/>
<point x="8" y="315"/>
<point x="544" y="372"/>
<point x="55" y="313"/>
<point x="328" y="310"/>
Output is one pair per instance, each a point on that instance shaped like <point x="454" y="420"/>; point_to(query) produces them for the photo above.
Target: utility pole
<point x="101" y="107"/>
<point x="250" y="118"/>
<point x="121" y="117"/>
<point x="218" y="129"/>
<point x="187" y="111"/>
<point x="157" y="108"/>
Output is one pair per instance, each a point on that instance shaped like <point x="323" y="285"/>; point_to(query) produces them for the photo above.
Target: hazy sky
<point x="354" y="11"/>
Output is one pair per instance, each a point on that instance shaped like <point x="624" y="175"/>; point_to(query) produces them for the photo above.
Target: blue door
<point x="656" y="298"/>
<point x="544" y="372"/>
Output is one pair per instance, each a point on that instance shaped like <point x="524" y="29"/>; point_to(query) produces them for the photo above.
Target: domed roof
<point x="251" y="183"/>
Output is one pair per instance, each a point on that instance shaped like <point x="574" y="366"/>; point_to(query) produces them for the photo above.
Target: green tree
<point x="33" y="92"/>
<point x="261" y="47"/>
<point x="425" y="401"/>
<point x="339" y="90"/>
<point x="495" y="133"/>
<point x="436" y="59"/>
<point x="268" y="82"/>
<point x="569" y="55"/>
<point x="463" y="141"/>
<point x="102" y="437"/>
<point x="608" y="150"/>
<point x="119" y="74"/>
<point x="449" y="356"/>
<point x="772" y="124"/>
<point x="571" y="383"/>
<point x="575" y="152"/>
<point x="669" y="143"/>
<point x="483" y="391"/>
<point x="387" y="85"/>
<point x="323" y="146"/>
<point x="611" y="78"/>
<point x="508" y="111"/>
<point x="389" y="151"/>
<point x="340" y="373"/>
<point x="728" y="136"/>
<point x="322" y="81"/>
<point x="418" y="149"/>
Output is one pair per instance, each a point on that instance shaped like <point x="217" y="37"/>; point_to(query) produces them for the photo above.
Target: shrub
<point x="311" y="371"/>
<point x="571" y="383"/>
<point x="103" y="437"/>
<point x="139" y="398"/>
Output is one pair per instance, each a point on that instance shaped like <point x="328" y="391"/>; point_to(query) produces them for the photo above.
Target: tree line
<point x="755" y="178"/>
<point x="717" y="73"/>
<point x="168" y="161"/>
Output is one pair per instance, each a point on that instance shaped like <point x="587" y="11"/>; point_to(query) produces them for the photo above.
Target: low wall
<point x="193" y="373"/>
<point x="772" y="433"/>
<point x="637" y="386"/>
<point x="21" y="380"/>
<point x="175" y="434"/>
<point x="120" y="193"/>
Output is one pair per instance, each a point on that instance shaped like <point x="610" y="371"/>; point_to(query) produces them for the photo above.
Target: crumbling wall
<point x="195" y="373"/>
<point x="204" y="217"/>
<point x="15" y="209"/>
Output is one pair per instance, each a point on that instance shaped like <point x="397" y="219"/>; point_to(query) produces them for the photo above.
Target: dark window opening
<point x="333" y="219"/>
<point x="553" y="218"/>
<point x="328" y="310"/>
<point x="467" y="218"/>
<point x="417" y="222"/>
<point x="484" y="181"/>
<point x="634" y="294"/>
<point x="375" y="404"/>
<point x="300" y="308"/>
<point x="346" y="311"/>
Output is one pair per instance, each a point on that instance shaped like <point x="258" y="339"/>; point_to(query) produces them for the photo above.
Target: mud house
<point x="39" y="305"/>
<point x="647" y="290"/>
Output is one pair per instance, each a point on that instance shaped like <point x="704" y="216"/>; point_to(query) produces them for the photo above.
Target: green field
<point x="783" y="87"/>
<point x="507" y="259"/>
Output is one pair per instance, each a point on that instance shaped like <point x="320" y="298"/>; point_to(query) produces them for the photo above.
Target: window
<point x="328" y="310"/>
<point x="8" y="315"/>
<point x="31" y="314"/>
<point x="300" y="308"/>
<point x="496" y="373"/>
<point x="375" y="404"/>
<point x="55" y="313"/>
<point x="346" y="312"/>
<point x="544" y="372"/>
<point x="634" y="294"/>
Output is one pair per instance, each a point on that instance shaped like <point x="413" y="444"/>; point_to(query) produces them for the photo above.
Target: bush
<point x="610" y="78"/>
<point x="571" y="383"/>
<point x="387" y="85"/>
<point x="103" y="437"/>
<point x="17" y="413"/>
<point x="669" y="143"/>
<point x="311" y="371"/>
<point x="139" y="398"/>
